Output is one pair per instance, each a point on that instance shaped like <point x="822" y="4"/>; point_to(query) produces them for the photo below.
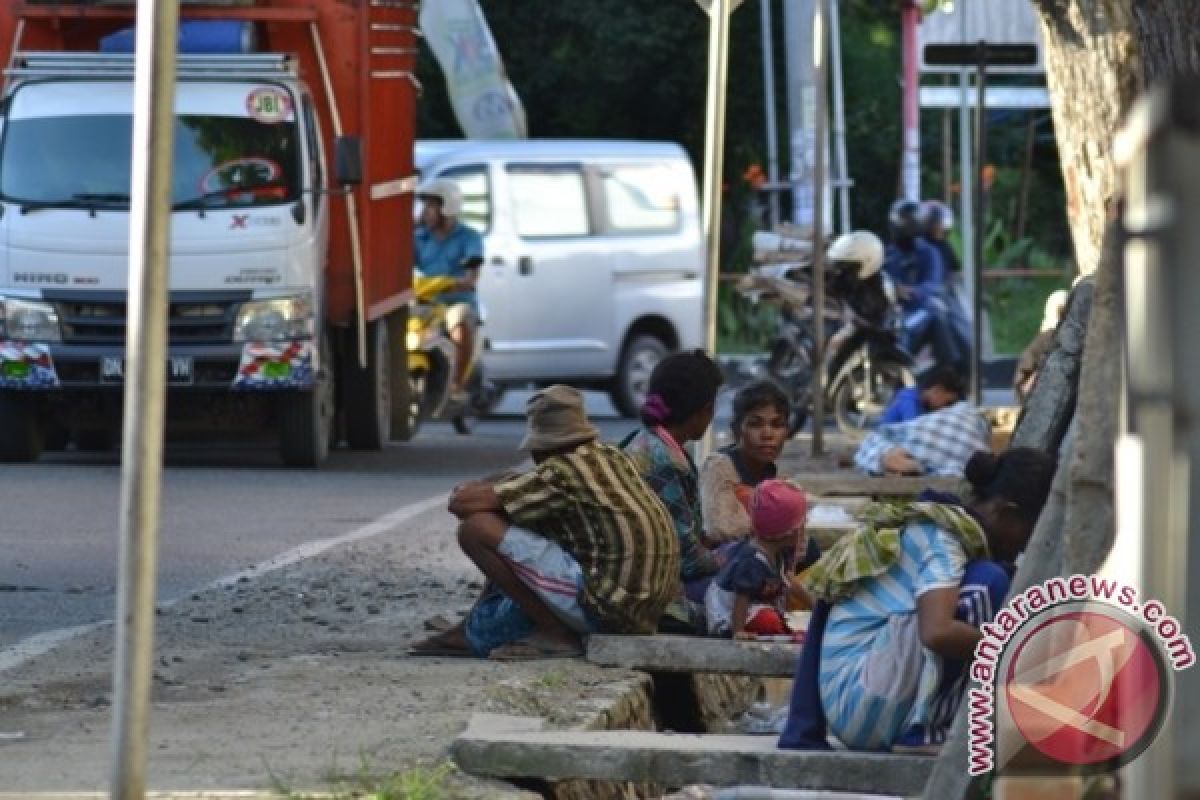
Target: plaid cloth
<point x="592" y="502"/>
<point x="941" y="441"/>
<point x="875" y="546"/>
<point x="669" y="471"/>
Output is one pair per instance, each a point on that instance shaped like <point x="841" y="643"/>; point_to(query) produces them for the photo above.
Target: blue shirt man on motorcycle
<point x="446" y="247"/>
<point x="920" y="278"/>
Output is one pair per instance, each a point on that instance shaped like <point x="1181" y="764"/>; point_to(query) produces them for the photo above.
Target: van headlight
<point x="279" y="318"/>
<point x="28" y="320"/>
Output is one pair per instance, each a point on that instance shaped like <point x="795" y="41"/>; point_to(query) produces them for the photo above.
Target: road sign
<point x="991" y="54"/>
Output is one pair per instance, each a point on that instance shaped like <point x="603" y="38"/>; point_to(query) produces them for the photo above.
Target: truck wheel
<point x="20" y="428"/>
<point x="305" y="419"/>
<point x="638" y="360"/>
<point x="407" y="391"/>
<point x="368" y="392"/>
<point x="55" y="437"/>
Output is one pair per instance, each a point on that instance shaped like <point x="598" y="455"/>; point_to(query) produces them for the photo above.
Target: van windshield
<point x="84" y="161"/>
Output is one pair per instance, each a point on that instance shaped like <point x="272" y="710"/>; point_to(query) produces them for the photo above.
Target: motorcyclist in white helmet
<point x="445" y="246"/>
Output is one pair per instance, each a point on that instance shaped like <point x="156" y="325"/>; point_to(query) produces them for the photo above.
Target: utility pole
<point x="719" y="12"/>
<point x="821" y="206"/>
<point x="768" y="57"/>
<point x="145" y="391"/>
<point x="798" y="20"/>
<point x="911" y="165"/>
<point x="842" y="172"/>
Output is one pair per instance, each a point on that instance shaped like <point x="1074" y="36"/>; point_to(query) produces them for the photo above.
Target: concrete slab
<point x="663" y="653"/>
<point x="852" y="484"/>
<point x="491" y="746"/>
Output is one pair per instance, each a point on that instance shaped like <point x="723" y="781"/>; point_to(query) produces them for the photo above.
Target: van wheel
<point x="20" y="428"/>
<point x="638" y="360"/>
<point x="305" y="419"/>
<point x="369" y="391"/>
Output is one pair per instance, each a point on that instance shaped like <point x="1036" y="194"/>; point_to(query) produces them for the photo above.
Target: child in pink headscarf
<point x="749" y="596"/>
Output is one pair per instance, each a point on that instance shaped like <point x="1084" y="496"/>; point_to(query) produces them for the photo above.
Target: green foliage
<point x="419" y="782"/>
<point x="743" y="327"/>
<point x="1015" y="310"/>
<point x="637" y="69"/>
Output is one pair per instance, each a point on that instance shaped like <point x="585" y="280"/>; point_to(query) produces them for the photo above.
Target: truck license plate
<point x="179" y="370"/>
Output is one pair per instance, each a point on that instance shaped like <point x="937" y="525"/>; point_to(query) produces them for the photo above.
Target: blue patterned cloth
<point x="670" y="473"/>
<point x="941" y="442"/>
<point x="876" y="680"/>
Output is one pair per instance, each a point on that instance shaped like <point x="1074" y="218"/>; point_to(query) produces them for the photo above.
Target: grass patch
<point x="419" y="782"/>
<point x="553" y="679"/>
<point x="1015" y="309"/>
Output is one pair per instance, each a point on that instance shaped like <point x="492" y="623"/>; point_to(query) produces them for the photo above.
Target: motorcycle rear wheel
<point x="857" y="406"/>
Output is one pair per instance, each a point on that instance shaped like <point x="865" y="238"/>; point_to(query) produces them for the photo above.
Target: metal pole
<point x="714" y="157"/>
<point x="145" y="391"/>
<point x="798" y="16"/>
<point x="980" y="222"/>
<point x="839" y="117"/>
<point x="966" y="212"/>
<point x="911" y="169"/>
<point x="768" y="57"/>
<point x="820" y="64"/>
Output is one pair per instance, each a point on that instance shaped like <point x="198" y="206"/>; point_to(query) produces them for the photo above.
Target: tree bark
<point x="1100" y="54"/>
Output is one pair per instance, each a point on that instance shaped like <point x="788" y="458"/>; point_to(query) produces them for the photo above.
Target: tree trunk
<point x="1099" y="55"/>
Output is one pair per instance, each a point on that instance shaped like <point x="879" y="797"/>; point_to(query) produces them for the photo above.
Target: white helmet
<point x="447" y="192"/>
<point x="859" y="247"/>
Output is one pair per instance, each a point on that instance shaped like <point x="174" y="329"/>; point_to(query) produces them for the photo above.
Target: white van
<point x="594" y="257"/>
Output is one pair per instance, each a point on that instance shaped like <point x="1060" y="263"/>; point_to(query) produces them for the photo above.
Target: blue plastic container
<point x="195" y="36"/>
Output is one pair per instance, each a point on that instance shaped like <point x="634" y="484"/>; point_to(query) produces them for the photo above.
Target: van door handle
<point x="525" y="265"/>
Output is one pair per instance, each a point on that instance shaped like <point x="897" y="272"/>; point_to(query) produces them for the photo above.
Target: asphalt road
<point x="224" y="510"/>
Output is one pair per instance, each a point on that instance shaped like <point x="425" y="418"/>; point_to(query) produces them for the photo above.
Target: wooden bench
<point x="521" y="747"/>
<point x="664" y="653"/>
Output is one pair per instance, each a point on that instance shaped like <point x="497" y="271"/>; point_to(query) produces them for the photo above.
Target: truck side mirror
<point x="347" y="160"/>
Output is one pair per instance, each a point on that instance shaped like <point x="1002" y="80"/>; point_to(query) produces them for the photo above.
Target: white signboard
<point x="998" y="21"/>
<point x="484" y="101"/>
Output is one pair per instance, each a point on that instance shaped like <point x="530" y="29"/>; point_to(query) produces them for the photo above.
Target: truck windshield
<point x="84" y="161"/>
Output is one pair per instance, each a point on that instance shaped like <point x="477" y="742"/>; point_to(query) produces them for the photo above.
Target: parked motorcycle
<point x="864" y="363"/>
<point x="432" y="361"/>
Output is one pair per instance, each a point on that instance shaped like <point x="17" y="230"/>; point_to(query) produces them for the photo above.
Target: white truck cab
<point x="248" y="241"/>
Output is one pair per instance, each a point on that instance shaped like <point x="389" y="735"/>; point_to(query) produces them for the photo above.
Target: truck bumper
<point x="250" y="366"/>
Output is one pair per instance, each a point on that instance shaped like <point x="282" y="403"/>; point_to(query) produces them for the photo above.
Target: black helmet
<point x="905" y="220"/>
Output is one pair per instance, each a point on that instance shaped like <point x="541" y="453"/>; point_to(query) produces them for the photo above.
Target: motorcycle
<point x="864" y="364"/>
<point x="432" y="361"/>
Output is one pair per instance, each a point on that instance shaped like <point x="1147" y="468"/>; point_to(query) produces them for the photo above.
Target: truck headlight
<point x="275" y="319"/>
<point x="28" y="320"/>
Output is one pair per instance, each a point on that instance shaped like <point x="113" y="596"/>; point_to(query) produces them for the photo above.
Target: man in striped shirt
<point x="576" y="545"/>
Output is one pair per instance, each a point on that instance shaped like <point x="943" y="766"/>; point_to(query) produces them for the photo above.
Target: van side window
<point x="641" y="199"/>
<point x="477" y="196"/>
<point x="549" y="201"/>
<point x="312" y="136"/>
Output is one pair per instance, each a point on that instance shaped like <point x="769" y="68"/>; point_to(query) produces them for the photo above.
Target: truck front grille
<point x="198" y="319"/>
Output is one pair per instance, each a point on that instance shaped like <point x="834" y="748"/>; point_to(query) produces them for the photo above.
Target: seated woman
<point x="902" y="601"/>
<point x="728" y="478"/>
<point x="680" y="404"/>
